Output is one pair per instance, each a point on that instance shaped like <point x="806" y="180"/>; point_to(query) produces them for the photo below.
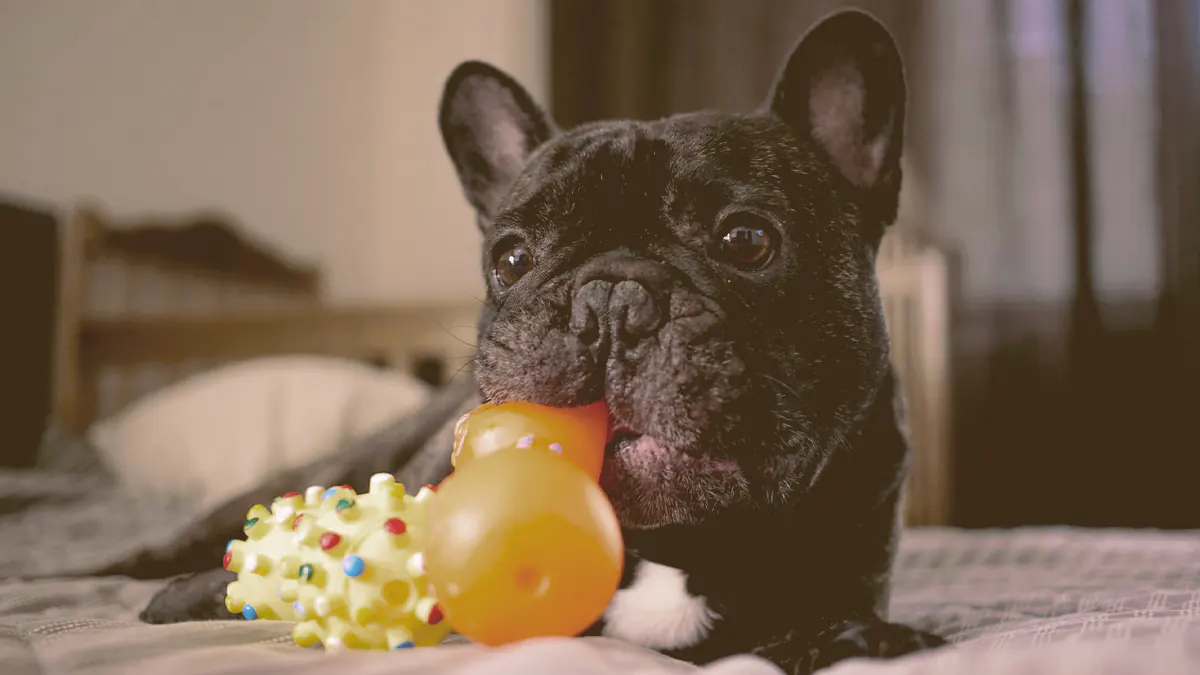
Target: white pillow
<point x="213" y="435"/>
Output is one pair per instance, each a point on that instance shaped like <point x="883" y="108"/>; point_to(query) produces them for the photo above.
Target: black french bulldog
<point x="711" y="277"/>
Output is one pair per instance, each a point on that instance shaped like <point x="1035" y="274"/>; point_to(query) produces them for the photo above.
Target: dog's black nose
<point x="617" y="300"/>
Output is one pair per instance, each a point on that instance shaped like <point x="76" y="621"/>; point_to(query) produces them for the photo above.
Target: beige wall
<point x="313" y="122"/>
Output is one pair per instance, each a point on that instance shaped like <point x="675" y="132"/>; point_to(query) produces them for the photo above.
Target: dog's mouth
<point x="632" y="448"/>
<point x="651" y="483"/>
<point x="619" y="436"/>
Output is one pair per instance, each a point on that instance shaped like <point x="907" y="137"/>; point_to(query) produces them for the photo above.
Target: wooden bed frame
<point x="145" y="304"/>
<point x="149" y="303"/>
<point x="915" y="282"/>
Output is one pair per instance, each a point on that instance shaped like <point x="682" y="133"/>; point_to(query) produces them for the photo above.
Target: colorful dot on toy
<point x="353" y="566"/>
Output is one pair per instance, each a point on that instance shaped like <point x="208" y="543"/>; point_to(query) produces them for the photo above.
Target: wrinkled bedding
<point x="1029" y="601"/>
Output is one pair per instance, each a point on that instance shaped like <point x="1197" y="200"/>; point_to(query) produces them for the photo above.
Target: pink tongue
<point x="648" y="458"/>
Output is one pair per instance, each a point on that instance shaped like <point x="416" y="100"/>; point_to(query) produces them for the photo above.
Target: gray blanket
<point x="1024" y="601"/>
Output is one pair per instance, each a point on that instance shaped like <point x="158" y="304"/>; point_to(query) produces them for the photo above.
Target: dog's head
<point x="711" y="276"/>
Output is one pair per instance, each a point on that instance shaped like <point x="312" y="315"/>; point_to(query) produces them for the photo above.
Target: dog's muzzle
<point x="618" y="299"/>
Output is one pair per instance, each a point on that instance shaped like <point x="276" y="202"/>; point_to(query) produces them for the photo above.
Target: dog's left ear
<point x="490" y="126"/>
<point x="843" y="88"/>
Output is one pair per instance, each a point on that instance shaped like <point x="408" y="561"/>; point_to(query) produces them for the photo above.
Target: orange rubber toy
<point x="522" y="542"/>
<point x="575" y="434"/>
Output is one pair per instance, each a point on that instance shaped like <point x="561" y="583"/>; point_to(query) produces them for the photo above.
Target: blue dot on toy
<point x="249" y="613"/>
<point x="353" y="565"/>
<point x="299" y="609"/>
<point x="229" y="546"/>
<point x="329" y="493"/>
<point x="407" y="644"/>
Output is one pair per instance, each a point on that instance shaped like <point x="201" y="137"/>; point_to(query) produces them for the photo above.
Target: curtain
<point x="1177" y="25"/>
<point x="1053" y="146"/>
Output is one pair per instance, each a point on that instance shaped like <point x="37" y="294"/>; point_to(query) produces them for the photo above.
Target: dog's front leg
<point x="193" y="597"/>
<point x="866" y="636"/>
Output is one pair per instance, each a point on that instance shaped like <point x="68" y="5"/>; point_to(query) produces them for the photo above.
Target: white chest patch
<point x="656" y="612"/>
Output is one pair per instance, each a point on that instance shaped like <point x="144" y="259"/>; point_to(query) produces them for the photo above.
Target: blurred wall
<point x="1000" y="140"/>
<point x="312" y="122"/>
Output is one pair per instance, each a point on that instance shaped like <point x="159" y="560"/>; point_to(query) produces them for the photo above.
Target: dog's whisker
<point x="463" y="367"/>
<point x="493" y="341"/>
<point x="447" y="330"/>
<point x="784" y="386"/>
<point x="483" y="302"/>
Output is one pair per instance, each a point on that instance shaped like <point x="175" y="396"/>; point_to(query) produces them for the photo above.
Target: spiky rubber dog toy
<point x="347" y="567"/>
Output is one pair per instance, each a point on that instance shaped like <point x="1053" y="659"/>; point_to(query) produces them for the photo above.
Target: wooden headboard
<point x="146" y="303"/>
<point x="915" y="283"/>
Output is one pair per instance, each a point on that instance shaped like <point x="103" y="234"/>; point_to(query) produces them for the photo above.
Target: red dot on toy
<point x="395" y="526"/>
<point x="330" y="540"/>
<point x="432" y="488"/>
<point x="227" y="559"/>
<point x="296" y="521"/>
<point x="289" y="495"/>
<point x="435" y="615"/>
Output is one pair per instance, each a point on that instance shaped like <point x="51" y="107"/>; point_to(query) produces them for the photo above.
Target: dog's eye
<point x="747" y="241"/>
<point x="512" y="262"/>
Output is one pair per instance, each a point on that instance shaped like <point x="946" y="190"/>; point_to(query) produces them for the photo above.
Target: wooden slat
<point x="358" y="332"/>
<point x="202" y="244"/>
<point x="916" y="296"/>
<point x="69" y="390"/>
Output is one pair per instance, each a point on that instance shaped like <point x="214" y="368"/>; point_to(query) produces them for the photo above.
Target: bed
<point x="1023" y="601"/>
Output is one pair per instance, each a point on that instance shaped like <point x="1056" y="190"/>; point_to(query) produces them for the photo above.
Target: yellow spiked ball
<point x="348" y="568"/>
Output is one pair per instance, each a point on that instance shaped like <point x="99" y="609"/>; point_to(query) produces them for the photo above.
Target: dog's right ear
<point x="843" y="89"/>
<point x="490" y="126"/>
